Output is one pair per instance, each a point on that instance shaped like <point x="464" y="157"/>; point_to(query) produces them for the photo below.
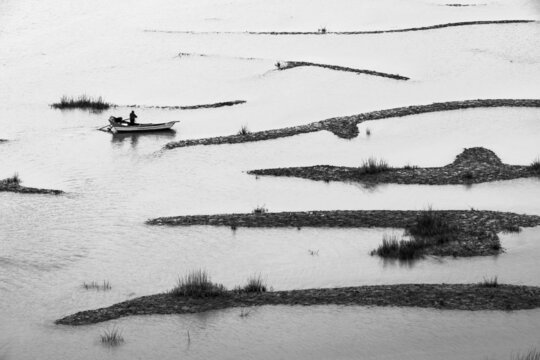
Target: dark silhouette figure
<point x="132" y="118"/>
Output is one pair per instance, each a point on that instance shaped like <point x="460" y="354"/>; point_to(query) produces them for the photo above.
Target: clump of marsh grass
<point x="322" y="30"/>
<point x="511" y="228"/>
<point x="112" y="337"/>
<point x="278" y="65"/>
<point x="373" y="166"/>
<point x="410" y="167"/>
<point x="81" y="102"/>
<point x="244" y="131"/>
<point x="468" y="176"/>
<point x="197" y="283"/>
<point x="313" y="252"/>
<point x="533" y="354"/>
<point x="255" y="284"/>
<point x="12" y="181"/>
<point x="489" y="282"/>
<point x="432" y="228"/>
<point x="535" y="166"/>
<point x="393" y="247"/>
<point x="260" y="210"/>
<point x="368" y="131"/>
<point x="94" y="285"/>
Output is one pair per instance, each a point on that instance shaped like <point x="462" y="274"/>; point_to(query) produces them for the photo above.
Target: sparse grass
<point x="432" y="228"/>
<point x="313" y="252"/>
<point x="393" y="247"/>
<point x="373" y="166"/>
<point x="245" y="312"/>
<point x="244" y="131"/>
<point x="368" y="131"/>
<point x="94" y="285"/>
<point x="511" y="228"/>
<point x="468" y="176"/>
<point x="410" y="167"/>
<point x="82" y="102"/>
<point x="260" y="210"/>
<point x="278" y="65"/>
<point x="532" y="354"/>
<point x="322" y="30"/>
<point x="255" y="284"/>
<point x="12" y="181"/>
<point x="489" y="282"/>
<point x="535" y="166"/>
<point x="112" y="337"/>
<point x="197" y="284"/>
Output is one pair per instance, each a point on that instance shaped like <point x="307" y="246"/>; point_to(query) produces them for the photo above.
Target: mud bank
<point x="368" y="32"/>
<point x="190" y="107"/>
<point x="471" y="297"/>
<point x="472" y="166"/>
<point x="6" y="185"/>
<point x="286" y="65"/>
<point x="475" y="235"/>
<point x="346" y="127"/>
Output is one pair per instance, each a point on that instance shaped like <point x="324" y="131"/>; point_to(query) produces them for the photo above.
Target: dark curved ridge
<point x="470" y="297"/>
<point x="190" y="107"/>
<point x="366" y="32"/>
<point x="293" y="64"/>
<point x="346" y="126"/>
<point x="472" y="166"/>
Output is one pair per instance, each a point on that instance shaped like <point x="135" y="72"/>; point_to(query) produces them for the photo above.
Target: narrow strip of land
<point x="364" y="32"/>
<point x="474" y="234"/>
<point x="294" y="64"/>
<point x="471" y="297"/>
<point x="13" y="185"/>
<point x="346" y="127"/>
<point x="472" y="166"/>
<point x="190" y="107"/>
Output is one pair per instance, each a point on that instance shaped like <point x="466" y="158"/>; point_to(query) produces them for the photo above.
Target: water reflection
<point x="133" y="138"/>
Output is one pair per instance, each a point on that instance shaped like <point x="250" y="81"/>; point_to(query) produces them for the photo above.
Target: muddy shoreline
<point x="366" y="32"/>
<point x="476" y="233"/>
<point x="17" y="188"/>
<point x="189" y="107"/>
<point x="346" y="127"/>
<point x="286" y="65"/>
<point x="472" y="166"/>
<point x="470" y="297"/>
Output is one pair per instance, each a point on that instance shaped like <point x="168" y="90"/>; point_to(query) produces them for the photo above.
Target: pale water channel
<point x="50" y="245"/>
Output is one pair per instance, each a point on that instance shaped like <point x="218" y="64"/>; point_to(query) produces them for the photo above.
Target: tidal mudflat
<point x="351" y="268"/>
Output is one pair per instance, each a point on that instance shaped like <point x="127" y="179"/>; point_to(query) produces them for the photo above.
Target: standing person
<point x="132" y="118"/>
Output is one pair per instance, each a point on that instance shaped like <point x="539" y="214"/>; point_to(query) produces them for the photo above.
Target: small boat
<point x="120" y="126"/>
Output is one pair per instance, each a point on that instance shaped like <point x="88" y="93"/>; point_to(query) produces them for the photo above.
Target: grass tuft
<point x="197" y="284"/>
<point x="82" y="102"/>
<point x="432" y="228"/>
<point x="244" y="131"/>
<point x="12" y="181"/>
<point x="535" y="166"/>
<point x="255" y="284"/>
<point x="511" y="228"/>
<point x="489" y="282"/>
<point x="260" y="210"/>
<point x="322" y="30"/>
<point x="533" y="354"/>
<point x="410" y="167"/>
<point x="393" y="247"/>
<point x="368" y="131"/>
<point x="94" y="285"/>
<point x="112" y="337"/>
<point x="373" y="166"/>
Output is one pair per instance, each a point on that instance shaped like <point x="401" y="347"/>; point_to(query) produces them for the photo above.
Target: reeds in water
<point x="197" y="284"/>
<point x="82" y="102"/>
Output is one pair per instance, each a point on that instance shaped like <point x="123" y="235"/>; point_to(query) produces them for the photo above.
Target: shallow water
<point x="51" y="245"/>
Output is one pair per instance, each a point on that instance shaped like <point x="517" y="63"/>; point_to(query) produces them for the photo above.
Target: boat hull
<point x="122" y="129"/>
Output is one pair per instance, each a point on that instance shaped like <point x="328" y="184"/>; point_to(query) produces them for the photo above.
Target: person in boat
<point x="132" y="118"/>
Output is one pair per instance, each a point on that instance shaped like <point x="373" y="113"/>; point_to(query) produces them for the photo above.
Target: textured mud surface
<point x="346" y="127"/>
<point x="445" y="296"/>
<point x="472" y="166"/>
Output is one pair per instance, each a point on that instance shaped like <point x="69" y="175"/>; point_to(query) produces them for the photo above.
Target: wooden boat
<point x="119" y="126"/>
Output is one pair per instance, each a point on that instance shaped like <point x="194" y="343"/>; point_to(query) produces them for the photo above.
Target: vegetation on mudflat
<point x="94" y="285"/>
<point x="472" y="166"/>
<point x="13" y="184"/>
<point x="82" y="102"/>
<point x="435" y="232"/>
<point x="197" y="284"/>
<point x="112" y="337"/>
<point x="438" y="296"/>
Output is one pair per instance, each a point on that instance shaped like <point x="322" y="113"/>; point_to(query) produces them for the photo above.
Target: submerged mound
<point x="286" y="65"/>
<point x="13" y="184"/>
<point x="472" y="166"/>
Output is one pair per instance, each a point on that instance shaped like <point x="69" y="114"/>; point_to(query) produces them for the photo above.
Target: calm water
<point x="50" y="245"/>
